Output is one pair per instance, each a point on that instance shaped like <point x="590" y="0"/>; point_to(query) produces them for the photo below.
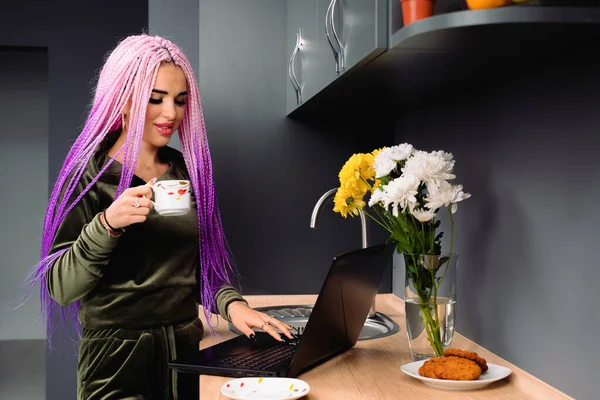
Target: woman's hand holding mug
<point x="131" y="207"/>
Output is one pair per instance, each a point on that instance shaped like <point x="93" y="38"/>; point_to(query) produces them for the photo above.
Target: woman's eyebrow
<point x="165" y="92"/>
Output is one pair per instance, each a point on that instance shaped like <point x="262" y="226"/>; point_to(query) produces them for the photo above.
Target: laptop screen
<point x="342" y="306"/>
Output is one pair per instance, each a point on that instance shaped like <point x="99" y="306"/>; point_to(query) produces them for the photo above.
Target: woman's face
<point x="165" y="106"/>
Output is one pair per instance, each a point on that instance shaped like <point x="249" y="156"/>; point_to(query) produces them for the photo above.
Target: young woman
<point x="128" y="277"/>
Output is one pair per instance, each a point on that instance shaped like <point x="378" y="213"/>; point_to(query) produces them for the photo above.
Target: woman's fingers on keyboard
<point x="271" y="331"/>
<point x="246" y="330"/>
<point x="283" y="328"/>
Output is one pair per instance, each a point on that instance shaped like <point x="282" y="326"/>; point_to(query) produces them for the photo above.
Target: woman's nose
<point x="169" y="109"/>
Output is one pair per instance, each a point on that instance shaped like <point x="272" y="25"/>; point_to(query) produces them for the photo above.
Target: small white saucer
<point x="265" y="388"/>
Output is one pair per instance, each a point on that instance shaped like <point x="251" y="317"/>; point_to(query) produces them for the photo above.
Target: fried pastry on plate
<point x="427" y="369"/>
<point x="451" y="368"/>
<point x="470" y="355"/>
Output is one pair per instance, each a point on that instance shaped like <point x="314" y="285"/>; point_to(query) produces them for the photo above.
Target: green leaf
<point x="386" y="179"/>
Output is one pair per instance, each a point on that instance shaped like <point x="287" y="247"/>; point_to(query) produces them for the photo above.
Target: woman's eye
<point x="155" y="101"/>
<point x="180" y="102"/>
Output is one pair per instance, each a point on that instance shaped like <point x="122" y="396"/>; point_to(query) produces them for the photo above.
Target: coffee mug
<point x="172" y="197"/>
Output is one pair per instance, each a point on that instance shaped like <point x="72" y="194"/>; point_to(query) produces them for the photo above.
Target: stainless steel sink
<point x="297" y="316"/>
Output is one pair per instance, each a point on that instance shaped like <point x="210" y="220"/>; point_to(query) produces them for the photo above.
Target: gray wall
<point x="24" y="171"/>
<point x="527" y="151"/>
<point x="77" y="42"/>
<point x="22" y="370"/>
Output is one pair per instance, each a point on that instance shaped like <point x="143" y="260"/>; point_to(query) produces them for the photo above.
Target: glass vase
<point x="430" y="303"/>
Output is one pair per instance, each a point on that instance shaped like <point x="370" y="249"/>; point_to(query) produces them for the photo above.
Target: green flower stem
<point x="435" y="289"/>
<point x="423" y="312"/>
<point x="385" y="226"/>
<point x="451" y="239"/>
<point x="432" y="327"/>
<point x="436" y="344"/>
<point x="451" y="227"/>
<point x="432" y="240"/>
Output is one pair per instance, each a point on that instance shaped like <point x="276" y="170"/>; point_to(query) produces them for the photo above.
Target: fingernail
<point x="253" y="337"/>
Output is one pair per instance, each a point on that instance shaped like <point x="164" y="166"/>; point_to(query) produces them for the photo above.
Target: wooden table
<point x="371" y="369"/>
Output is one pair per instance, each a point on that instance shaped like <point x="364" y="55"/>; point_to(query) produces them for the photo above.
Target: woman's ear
<point x="126" y="108"/>
<point x="125" y="115"/>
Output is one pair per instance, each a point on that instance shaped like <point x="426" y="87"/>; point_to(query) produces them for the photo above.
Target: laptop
<point x="333" y="327"/>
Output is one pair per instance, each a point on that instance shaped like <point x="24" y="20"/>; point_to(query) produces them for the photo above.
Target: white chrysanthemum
<point x="388" y="158"/>
<point x="400" y="152"/>
<point x="433" y="188"/>
<point x="383" y="164"/>
<point x="398" y="194"/>
<point x="377" y="197"/>
<point x="432" y="168"/>
<point x="423" y="215"/>
<point x="443" y="155"/>
<point x="444" y="197"/>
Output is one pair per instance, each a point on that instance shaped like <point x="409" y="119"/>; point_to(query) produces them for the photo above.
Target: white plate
<point x="265" y="388"/>
<point x="493" y="374"/>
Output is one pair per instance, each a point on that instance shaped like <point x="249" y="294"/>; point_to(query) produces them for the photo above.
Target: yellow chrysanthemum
<point x="346" y="203"/>
<point x="368" y="169"/>
<point x="355" y="187"/>
<point x="359" y="166"/>
<point x="376" y="184"/>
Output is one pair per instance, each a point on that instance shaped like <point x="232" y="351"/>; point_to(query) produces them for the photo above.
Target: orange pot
<point x="414" y="10"/>
<point x="483" y="4"/>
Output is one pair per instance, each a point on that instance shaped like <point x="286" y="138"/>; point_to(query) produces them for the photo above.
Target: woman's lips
<point x="164" y="129"/>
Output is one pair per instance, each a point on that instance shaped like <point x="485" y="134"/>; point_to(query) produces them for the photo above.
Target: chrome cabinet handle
<point x="337" y="39"/>
<point x="328" y="20"/>
<point x="291" y="69"/>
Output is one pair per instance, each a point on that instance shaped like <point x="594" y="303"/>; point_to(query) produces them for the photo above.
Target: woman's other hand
<point x="244" y="318"/>
<point x="131" y="207"/>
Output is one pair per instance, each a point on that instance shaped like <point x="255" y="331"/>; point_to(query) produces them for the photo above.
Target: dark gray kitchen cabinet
<point x="327" y="39"/>
<point x="308" y="54"/>
<point x="360" y="26"/>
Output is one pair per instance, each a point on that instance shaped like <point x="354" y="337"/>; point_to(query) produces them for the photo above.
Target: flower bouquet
<point x="408" y="188"/>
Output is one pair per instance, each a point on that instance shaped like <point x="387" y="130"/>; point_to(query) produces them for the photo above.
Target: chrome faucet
<point x="317" y="211"/>
<point x="363" y="227"/>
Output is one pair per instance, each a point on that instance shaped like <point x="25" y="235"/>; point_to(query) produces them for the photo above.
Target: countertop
<point x="371" y="369"/>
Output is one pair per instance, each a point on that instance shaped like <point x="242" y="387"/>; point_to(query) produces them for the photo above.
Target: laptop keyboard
<point x="261" y="358"/>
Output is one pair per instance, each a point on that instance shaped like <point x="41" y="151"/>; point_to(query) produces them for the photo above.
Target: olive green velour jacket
<point x="138" y="293"/>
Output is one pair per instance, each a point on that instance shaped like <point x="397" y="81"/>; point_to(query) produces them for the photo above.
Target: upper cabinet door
<point x="308" y="69"/>
<point x="326" y="38"/>
<point x="298" y="14"/>
<point x="361" y="26"/>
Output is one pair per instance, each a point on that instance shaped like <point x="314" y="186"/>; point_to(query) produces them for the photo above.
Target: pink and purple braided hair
<point x="129" y="73"/>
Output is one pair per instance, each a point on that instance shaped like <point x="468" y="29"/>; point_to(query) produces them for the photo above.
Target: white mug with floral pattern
<point x="172" y="197"/>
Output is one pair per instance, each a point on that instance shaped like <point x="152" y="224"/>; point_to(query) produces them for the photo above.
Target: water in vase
<point x="418" y="335"/>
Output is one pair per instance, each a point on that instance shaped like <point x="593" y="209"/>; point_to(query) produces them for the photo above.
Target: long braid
<point x="216" y="261"/>
<point x="129" y="73"/>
